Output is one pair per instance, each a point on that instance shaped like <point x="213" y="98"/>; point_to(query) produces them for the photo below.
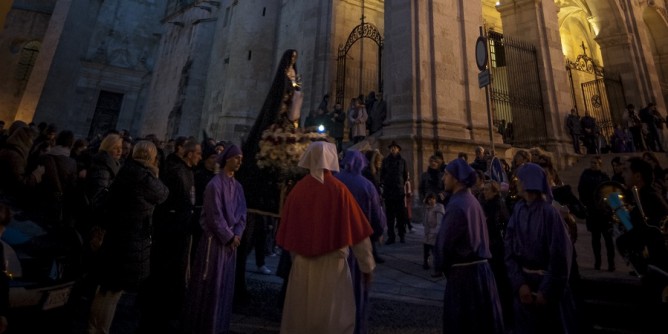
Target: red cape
<point x="320" y="218"/>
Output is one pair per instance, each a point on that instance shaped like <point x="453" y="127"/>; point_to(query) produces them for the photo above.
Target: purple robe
<point x="367" y="197"/>
<point x="471" y="302"/>
<point x="539" y="253"/>
<point x="211" y="288"/>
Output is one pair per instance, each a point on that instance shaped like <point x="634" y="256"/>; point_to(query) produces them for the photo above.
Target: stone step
<point x="571" y="175"/>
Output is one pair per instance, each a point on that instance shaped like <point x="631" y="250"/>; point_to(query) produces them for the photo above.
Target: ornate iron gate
<point x="364" y="30"/>
<point x="603" y="98"/>
<point x="516" y="92"/>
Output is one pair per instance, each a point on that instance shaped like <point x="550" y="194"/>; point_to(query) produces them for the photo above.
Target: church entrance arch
<point x="596" y="92"/>
<point x="364" y="30"/>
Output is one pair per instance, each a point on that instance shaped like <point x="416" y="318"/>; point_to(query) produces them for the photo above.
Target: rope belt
<point x="540" y="272"/>
<point x="464" y="264"/>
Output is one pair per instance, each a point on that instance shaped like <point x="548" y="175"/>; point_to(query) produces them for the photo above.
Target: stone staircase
<point x="571" y="175"/>
<point x="610" y="300"/>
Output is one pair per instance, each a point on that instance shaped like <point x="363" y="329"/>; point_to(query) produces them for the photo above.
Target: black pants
<point x="426" y="251"/>
<point x="596" y="235"/>
<point x="576" y="142"/>
<point x="395" y="209"/>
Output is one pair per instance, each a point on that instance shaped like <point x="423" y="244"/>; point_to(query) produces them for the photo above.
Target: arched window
<point x="27" y="60"/>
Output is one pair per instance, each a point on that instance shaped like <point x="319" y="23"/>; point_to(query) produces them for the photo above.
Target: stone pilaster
<point x="431" y="80"/>
<point x="536" y="22"/>
<point x="243" y="63"/>
<point x="627" y="51"/>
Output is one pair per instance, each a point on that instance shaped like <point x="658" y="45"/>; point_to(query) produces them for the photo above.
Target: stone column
<point x="431" y="80"/>
<point x="40" y="73"/>
<point x="626" y="49"/>
<point x="243" y="63"/>
<point x="536" y="22"/>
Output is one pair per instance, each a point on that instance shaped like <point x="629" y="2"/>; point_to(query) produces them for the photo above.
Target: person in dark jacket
<point x="377" y="115"/>
<point x="590" y="133"/>
<point x="103" y="169"/>
<point x="56" y="191"/>
<point x="617" y="169"/>
<point x="497" y="217"/>
<point x="574" y="129"/>
<point x="204" y="172"/>
<point x="597" y="224"/>
<point x="170" y="258"/>
<point x="393" y="177"/>
<point x="337" y="121"/>
<point x="15" y="178"/>
<point x="652" y="138"/>
<point x="372" y="170"/>
<point x="644" y="244"/>
<point x="99" y="177"/>
<point x="124" y="262"/>
<point x="431" y="181"/>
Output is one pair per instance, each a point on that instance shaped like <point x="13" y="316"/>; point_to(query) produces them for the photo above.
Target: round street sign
<point x="481" y="53"/>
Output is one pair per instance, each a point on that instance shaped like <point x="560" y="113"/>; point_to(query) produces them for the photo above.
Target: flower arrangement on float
<point x="281" y="149"/>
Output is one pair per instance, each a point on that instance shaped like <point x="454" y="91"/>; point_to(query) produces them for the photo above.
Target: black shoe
<point x="425" y="266"/>
<point x="597" y="265"/>
<point x="403" y="241"/>
<point x="379" y="259"/>
<point x="389" y="241"/>
<point x="611" y="268"/>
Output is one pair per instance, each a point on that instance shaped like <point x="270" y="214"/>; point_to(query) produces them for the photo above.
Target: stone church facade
<point x="180" y="67"/>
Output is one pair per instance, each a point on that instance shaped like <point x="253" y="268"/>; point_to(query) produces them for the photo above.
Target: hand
<point x="540" y="299"/>
<point x="235" y="242"/>
<point x="38" y="173"/>
<point x="525" y="295"/>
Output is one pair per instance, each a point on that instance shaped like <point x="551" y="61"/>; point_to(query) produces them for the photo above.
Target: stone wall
<point x="176" y="93"/>
<point x="90" y="47"/>
<point x="25" y="23"/>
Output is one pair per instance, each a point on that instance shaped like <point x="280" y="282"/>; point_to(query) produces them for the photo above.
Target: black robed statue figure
<point x="271" y="152"/>
<point x="280" y="110"/>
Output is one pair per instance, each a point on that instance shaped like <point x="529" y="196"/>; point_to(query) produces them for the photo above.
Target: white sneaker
<point x="264" y="270"/>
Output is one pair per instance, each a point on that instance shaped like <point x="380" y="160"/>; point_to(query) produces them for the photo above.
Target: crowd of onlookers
<point x="136" y="204"/>
<point x="364" y="117"/>
<point x="133" y="203"/>
<point x="639" y="130"/>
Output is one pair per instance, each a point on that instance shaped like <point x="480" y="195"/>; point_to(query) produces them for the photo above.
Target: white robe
<point x="320" y="297"/>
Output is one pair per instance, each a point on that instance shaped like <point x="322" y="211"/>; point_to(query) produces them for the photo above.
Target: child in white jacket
<point x="433" y="214"/>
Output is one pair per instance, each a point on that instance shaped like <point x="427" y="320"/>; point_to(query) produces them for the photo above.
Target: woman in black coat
<point x="124" y="262"/>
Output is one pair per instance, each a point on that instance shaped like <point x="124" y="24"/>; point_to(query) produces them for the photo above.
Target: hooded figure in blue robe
<point x="538" y="258"/>
<point x="471" y="302"/>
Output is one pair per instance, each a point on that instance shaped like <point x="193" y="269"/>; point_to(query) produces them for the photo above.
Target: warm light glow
<point x="498" y="3"/>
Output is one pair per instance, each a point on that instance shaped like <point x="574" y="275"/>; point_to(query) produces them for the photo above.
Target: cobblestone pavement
<point x="404" y="297"/>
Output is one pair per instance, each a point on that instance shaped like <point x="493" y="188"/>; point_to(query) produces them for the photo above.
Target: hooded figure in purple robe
<point x="211" y="286"/>
<point x="538" y="258"/>
<point x="471" y="302"/>
<point x="367" y="197"/>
